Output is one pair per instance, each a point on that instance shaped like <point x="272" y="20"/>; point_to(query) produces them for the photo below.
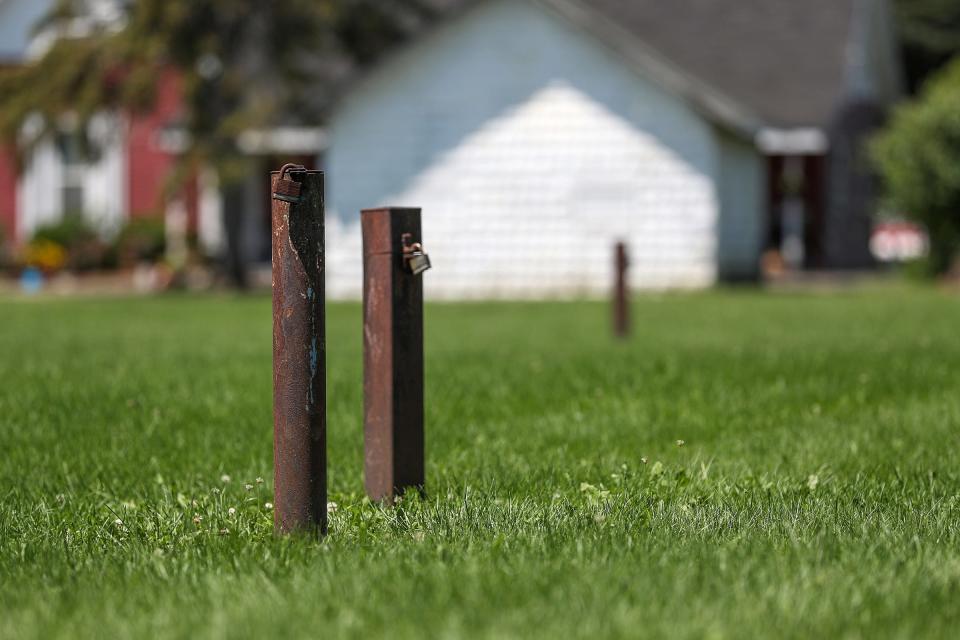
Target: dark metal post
<point x="392" y="351"/>
<point x="621" y="302"/>
<point x="299" y="351"/>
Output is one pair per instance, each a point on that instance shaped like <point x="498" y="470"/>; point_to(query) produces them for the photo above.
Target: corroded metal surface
<point x="392" y="354"/>
<point x="299" y="355"/>
<point x="621" y="302"/>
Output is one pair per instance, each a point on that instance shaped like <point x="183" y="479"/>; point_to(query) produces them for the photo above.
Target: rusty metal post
<point x="621" y="302"/>
<point x="299" y="352"/>
<point x="392" y="351"/>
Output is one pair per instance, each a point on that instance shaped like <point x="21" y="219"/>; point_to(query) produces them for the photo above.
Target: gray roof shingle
<point x="783" y="59"/>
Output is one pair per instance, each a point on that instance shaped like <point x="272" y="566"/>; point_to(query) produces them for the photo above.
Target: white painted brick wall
<point x="531" y="149"/>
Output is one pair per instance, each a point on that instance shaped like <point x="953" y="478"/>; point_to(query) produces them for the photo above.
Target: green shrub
<point x="918" y="156"/>
<point x="82" y="245"/>
<point x="141" y="239"/>
<point x="71" y="230"/>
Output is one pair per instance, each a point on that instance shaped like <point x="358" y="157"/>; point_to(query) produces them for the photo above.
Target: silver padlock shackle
<point x="414" y="251"/>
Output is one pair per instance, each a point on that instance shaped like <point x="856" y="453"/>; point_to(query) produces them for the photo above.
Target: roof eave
<point x="721" y="110"/>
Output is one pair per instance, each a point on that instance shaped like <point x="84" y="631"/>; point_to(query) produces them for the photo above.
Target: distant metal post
<point x="621" y="302"/>
<point x="393" y="260"/>
<point x="299" y="352"/>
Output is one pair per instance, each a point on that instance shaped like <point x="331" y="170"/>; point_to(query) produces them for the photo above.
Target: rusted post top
<point x="621" y="252"/>
<point x="382" y="231"/>
<point x="299" y="351"/>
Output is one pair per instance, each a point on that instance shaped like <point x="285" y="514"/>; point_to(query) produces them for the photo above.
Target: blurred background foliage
<point x="141" y="239"/>
<point x="918" y="153"/>
<point x="918" y="156"/>
<point x="70" y="243"/>
<point x="73" y="243"/>
<point x="929" y="31"/>
<point x="243" y="63"/>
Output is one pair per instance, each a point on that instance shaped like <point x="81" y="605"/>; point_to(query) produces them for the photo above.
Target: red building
<point x="126" y="168"/>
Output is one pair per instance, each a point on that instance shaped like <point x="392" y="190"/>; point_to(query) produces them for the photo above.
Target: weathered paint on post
<point x="621" y="301"/>
<point x="299" y="354"/>
<point x="392" y="355"/>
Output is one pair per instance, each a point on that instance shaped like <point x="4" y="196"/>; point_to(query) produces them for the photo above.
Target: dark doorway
<point x="796" y="208"/>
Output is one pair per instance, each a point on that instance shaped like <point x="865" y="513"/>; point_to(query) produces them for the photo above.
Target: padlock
<point x="418" y="262"/>
<point x="288" y="190"/>
<point x="413" y="256"/>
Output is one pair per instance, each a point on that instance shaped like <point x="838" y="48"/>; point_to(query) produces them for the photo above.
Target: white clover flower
<point x="259" y="480"/>
<point x="248" y="486"/>
<point x="332" y="507"/>
<point x="268" y="506"/>
<point x="224" y="478"/>
<point x="231" y="511"/>
<point x="118" y="522"/>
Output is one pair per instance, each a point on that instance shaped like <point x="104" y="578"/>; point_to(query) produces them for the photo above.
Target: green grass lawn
<point x="816" y="492"/>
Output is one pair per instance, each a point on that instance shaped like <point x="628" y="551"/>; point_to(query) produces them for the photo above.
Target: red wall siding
<point x="149" y="166"/>
<point x="8" y="194"/>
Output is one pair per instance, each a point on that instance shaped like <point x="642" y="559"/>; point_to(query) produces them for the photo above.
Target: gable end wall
<point x="532" y="148"/>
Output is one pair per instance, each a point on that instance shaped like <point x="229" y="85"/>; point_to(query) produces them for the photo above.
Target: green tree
<point x="243" y="63"/>
<point x="930" y="36"/>
<point x="918" y="156"/>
